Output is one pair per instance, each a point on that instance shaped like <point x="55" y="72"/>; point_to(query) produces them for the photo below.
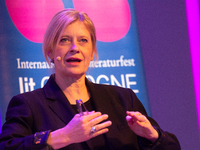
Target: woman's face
<point x="74" y="49"/>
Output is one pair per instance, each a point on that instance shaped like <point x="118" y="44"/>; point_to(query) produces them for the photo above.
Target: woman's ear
<point x="50" y="54"/>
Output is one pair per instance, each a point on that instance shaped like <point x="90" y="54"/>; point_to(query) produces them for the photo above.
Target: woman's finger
<point x="91" y="115"/>
<point x="98" y="119"/>
<point x="103" y="125"/>
<point x="100" y="128"/>
<point x="136" y="116"/>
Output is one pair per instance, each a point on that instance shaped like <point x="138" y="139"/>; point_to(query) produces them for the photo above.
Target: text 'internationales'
<point x="121" y="62"/>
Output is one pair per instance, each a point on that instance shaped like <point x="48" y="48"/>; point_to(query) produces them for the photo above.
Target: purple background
<point x="166" y="55"/>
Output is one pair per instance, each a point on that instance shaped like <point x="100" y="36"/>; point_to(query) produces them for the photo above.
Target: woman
<point x="47" y="118"/>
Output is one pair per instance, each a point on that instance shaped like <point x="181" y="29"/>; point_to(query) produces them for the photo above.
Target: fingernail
<point x="110" y="123"/>
<point x="106" y="115"/>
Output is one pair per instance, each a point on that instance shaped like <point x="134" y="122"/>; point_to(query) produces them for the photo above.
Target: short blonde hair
<point x="57" y="25"/>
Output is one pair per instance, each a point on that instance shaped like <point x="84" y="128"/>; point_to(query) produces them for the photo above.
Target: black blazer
<point x="48" y="109"/>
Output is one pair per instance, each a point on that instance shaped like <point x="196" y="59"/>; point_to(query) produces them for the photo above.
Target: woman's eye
<point x="84" y="40"/>
<point x="65" y="40"/>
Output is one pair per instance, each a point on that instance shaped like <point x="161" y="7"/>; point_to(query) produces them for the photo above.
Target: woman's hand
<point x="79" y="129"/>
<point x="141" y="126"/>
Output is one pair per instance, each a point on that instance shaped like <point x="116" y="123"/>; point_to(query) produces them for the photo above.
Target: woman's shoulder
<point x="31" y="94"/>
<point x="30" y="98"/>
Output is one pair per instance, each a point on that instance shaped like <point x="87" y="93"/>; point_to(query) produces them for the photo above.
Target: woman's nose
<point x="74" y="48"/>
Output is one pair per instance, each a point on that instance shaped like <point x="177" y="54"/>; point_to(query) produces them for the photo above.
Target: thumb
<point x="129" y="120"/>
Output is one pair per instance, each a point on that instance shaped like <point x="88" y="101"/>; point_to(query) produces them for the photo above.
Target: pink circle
<point x="32" y="17"/>
<point x="112" y="19"/>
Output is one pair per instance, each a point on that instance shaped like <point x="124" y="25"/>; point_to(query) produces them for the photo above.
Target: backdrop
<point x="133" y="46"/>
<point x="23" y="65"/>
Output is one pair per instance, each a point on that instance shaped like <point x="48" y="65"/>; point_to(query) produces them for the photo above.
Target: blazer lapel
<point x="58" y="102"/>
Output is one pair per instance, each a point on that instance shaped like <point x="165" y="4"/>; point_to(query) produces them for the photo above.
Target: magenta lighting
<point x="193" y="20"/>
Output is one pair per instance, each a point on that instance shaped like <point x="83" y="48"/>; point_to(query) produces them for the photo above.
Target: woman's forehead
<point x="77" y="28"/>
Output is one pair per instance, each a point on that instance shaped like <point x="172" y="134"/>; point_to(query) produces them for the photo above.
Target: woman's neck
<point x="73" y="88"/>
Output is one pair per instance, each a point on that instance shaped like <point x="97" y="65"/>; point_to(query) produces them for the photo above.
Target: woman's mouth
<point x="73" y="60"/>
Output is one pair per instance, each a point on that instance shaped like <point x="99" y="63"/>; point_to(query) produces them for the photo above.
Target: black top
<point x="88" y="104"/>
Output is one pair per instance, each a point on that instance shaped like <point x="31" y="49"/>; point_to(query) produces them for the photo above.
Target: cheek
<point x="59" y="52"/>
<point x="92" y="52"/>
<point x="90" y="56"/>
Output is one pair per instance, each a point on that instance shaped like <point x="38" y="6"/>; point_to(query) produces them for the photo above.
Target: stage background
<point x="163" y="33"/>
<point x="153" y="41"/>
